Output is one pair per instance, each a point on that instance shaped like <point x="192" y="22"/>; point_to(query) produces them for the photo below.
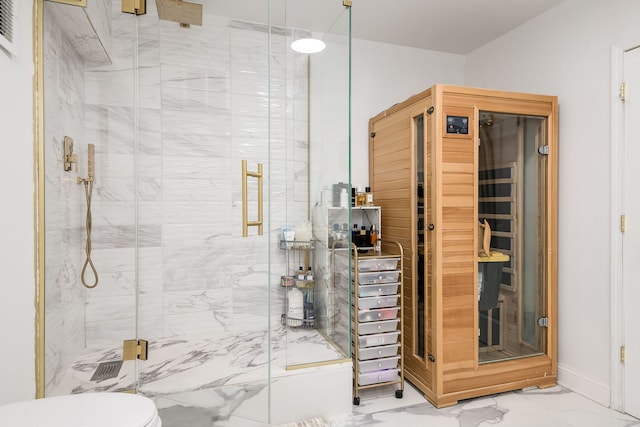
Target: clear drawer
<point x="378" y="377"/>
<point x="371" y="314"/>
<point x="378" y="327"/>
<point x="377" y="290"/>
<point x="378" y="264"/>
<point x="377" y="352"/>
<point x="378" y="339"/>
<point x="378" y="277"/>
<point x="378" y="302"/>
<point x="378" y="364"/>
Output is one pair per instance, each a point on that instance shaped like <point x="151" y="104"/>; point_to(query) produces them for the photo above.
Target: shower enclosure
<point x="173" y="109"/>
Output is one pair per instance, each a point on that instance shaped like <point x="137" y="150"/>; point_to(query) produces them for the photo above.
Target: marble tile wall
<point x="203" y="108"/>
<point x="167" y="201"/>
<point x="64" y="213"/>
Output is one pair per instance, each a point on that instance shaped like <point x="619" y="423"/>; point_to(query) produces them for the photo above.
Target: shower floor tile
<point x="184" y="364"/>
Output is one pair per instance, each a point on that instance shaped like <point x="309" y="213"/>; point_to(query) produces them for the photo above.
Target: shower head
<point x="180" y="11"/>
<point x="91" y="161"/>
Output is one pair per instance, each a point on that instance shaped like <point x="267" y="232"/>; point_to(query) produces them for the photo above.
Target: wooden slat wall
<point x="458" y="203"/>
<point x="392" y="180"/>
<point x="450" y="190"/>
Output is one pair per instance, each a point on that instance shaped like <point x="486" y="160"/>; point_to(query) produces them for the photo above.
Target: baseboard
<point x="584" y="385"/>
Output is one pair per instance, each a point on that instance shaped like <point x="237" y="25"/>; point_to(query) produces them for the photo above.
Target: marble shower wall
<point x="203" y="108"/>
<point x="64" y="212"/>
<point x="167" y="201"/>
<point x="173" y="208"/>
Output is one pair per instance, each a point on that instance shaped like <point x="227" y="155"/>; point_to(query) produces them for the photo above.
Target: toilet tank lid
<point x="103" y="409"/>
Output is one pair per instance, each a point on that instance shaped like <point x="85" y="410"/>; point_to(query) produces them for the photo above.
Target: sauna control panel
<point x="458" y="125"/>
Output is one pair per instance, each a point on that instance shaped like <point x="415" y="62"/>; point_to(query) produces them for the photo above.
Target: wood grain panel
<point x="537" y="367"/>
<point x="392" y="181"/>
<point x="450" y="195"/>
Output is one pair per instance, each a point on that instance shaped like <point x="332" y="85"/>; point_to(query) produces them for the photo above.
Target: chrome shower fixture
<point x="185" y="13"/>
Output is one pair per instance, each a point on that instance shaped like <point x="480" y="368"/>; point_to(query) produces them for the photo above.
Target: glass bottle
<point x="368" y="196"/>
<point x="373" y="234"/>
<point x="364" y="236"/>
<point x="360" y="197"/>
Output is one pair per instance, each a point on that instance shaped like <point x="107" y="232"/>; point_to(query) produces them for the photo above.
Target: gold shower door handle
<point x="245" y="216"/>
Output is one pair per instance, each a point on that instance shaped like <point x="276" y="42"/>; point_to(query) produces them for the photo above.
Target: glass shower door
<point x="90" y="220"/>
<point x="173" y="110"/>
<point x="204" y="287"/>
<point x="314" y="153"/>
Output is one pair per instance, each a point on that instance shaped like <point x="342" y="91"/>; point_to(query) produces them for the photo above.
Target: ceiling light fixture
<point x="308" y="45"/>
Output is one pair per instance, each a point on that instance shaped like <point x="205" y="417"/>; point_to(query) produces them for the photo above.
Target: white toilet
<point x="83" y="410"/>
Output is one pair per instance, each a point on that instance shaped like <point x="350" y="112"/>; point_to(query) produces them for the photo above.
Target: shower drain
<point x="107" y="370"/>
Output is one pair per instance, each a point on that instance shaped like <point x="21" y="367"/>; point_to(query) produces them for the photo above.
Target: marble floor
<point x="185" y="364"/>
<point x="553" y="407"/>
<point x="222" y="383"/>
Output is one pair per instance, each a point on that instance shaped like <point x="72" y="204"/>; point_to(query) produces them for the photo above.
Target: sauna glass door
<point x="511" y="243"/>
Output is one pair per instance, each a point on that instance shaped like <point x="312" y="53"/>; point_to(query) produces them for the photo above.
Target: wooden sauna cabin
<point x="478" y="320"/>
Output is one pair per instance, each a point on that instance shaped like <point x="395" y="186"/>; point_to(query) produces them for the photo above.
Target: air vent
<point x="7" y="17"/>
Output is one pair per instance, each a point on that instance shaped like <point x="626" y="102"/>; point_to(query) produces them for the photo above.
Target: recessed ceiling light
<point x="308" y="45"/>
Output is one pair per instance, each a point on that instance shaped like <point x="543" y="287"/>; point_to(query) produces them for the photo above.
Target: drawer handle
<point x="379" y="289"/>
<point x="379" y="351"/>
<point x="379" y="365"/>
<point x="379" y="314"/>
<point x="379" y="302"/>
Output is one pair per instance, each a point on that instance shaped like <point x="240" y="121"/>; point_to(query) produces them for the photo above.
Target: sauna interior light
<point x="308" y="45"/>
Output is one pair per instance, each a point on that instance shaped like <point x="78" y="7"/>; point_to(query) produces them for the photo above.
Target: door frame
<point x="617" y="209"/>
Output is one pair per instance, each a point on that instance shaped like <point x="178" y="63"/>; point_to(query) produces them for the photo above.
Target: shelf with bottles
<point x="299" y="237"/>
<point x="299" y="284"/>
<point x="296" y="244"/>
<point x="299" y="309"/>
<point x="363" y="227"/>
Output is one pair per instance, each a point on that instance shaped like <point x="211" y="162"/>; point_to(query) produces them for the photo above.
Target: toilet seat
<point x="83" y="410"/>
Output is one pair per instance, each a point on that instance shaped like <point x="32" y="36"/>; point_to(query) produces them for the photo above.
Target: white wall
<point x="383" y="75"/>
<point x="17" y="312"/>
<point x="567" y="52"/>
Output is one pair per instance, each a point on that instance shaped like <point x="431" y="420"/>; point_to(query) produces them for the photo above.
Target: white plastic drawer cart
<point x="377" y="318"/>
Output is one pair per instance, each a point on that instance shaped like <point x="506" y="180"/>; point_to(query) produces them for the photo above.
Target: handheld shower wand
<point x="88" y="191"/>
<point x="91" y="161"/>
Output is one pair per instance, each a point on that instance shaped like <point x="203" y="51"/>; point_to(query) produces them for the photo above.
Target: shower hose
<point x="88" y="191"/>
